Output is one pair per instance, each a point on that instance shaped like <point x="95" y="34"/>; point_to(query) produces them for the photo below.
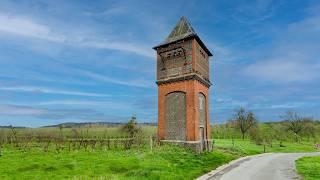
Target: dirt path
<point x="275" y="166"/>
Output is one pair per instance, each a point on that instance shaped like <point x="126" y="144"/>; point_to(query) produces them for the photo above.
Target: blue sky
<point x="79" y="61"/>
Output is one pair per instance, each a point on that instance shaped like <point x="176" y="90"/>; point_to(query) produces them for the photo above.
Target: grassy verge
<point x="165" y="162"/>
<point x="249" y="148"/>
<point x="309" y="167"/>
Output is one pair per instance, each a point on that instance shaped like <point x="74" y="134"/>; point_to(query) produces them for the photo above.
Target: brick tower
<point x="183" y="85"/>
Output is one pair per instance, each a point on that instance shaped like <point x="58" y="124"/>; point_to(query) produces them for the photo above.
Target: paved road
<point x="274" y="166"/>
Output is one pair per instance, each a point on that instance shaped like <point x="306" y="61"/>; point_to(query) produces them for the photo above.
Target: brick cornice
<point x="194" y="76"/>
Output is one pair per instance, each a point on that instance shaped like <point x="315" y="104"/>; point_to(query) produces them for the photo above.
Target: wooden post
<point x="232" y="142"/>
<point x="151" y="143"/>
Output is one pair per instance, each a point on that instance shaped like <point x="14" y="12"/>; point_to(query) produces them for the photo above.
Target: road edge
<point x="222" y="167"/>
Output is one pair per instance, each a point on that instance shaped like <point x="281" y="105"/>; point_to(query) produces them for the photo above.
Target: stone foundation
<point x="193" y="145"/>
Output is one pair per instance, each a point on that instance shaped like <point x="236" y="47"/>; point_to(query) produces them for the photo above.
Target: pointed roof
<point x="183" y="30"/>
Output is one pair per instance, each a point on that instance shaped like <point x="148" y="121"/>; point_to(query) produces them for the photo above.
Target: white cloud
<point x="112" y="11"/>
<point x="50" y="91"/>
<point x="222" y="54"/>
<point x="288" y="105"/>
<point x="26" y="27"/>
<point x="309" y="25"/>
<point x="110" y="105"/>
<point x="294" y="56"/>
<point x="283" y="70"/>
<point x="29" y="75"/>
<point x="134" y="83"/>
<point x="71" y="102"/>
<point x="255" y="12"/>
<point x="43" y="113"/>
<point x="11" y="110"/>
<point x="114" y="104"/>
<point x="227" y="103"/>
<point x="121" y="46"/>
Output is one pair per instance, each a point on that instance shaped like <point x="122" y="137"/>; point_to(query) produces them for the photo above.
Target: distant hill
<point x="90" y="124"/>
<point x="16" y="127"/>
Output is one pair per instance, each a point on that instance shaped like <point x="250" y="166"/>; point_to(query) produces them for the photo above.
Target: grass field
<point x="309" y="167"/>
<point x="249" y="148"/>
<point x="165" y="162"/>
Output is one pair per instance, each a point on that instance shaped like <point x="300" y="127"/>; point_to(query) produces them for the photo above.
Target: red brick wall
<point x="191" y="88"/>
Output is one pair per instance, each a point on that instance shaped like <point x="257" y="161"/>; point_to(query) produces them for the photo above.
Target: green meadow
<point x="164" y="162"/>
<point x="248" y="147"/>
<point x="30" y="160"/>
<point x="309" y="167"/>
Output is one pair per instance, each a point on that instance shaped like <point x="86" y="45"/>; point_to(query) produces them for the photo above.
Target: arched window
<point x="175" y="116"/>
<point x="202" y="110"/>
<point x="202" y="120"/>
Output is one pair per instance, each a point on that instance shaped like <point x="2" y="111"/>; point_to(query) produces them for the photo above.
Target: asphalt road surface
<point x="274" y="166"/>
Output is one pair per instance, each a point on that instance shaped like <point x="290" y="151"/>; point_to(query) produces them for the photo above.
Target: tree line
<point x="292" y="127"/>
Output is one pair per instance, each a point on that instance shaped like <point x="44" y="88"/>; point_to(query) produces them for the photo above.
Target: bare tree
<point x="295" y="123"/>
<point x="279" y="133"/>
<point x="310" y="130"/>
<point x="244" y="121"/>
